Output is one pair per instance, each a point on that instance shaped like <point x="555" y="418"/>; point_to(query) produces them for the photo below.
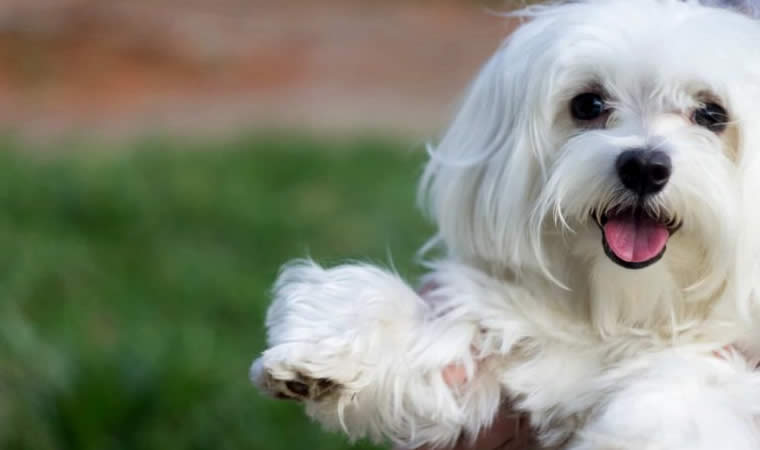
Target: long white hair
<point x="511" y="173"/>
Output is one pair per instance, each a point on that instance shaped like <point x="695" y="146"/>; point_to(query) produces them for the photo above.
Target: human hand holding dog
<point x="509" y="431"/>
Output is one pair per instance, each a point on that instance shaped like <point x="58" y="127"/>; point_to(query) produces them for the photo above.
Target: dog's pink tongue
<point x="635" y="239"/>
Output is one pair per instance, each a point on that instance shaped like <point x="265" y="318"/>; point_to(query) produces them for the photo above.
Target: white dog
<point x="598" y="198"/>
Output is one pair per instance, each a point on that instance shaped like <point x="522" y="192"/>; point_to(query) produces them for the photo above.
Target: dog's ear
<point x="483" y="176"/>
<point x="747" y="272"/>
<point x="749" y="7"/>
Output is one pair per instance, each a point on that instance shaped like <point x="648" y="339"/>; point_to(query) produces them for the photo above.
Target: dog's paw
<point x="291" y="385"/>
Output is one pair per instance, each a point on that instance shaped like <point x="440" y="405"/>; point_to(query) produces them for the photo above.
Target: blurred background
<point x="160" y="159"/>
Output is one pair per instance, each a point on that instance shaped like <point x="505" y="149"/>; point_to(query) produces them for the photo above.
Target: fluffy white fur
<point x="600" y="356"/>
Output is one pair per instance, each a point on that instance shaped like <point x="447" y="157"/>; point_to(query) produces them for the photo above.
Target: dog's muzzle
<point x="631" y="236"/>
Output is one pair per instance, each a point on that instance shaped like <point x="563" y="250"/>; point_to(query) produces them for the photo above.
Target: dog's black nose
<point x="644" y="171"/>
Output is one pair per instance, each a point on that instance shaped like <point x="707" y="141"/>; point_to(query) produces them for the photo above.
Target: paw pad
<point x="301" y="388"/>
<point x="298" y="388"/>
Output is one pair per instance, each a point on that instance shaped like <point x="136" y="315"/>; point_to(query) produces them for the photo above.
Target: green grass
<point x="133" y="283"/>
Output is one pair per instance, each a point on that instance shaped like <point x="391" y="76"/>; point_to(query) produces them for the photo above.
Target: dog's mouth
<point x="633" y="238"/>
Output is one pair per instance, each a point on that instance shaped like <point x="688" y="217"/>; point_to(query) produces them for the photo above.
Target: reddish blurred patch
<point x="112" y="67"/>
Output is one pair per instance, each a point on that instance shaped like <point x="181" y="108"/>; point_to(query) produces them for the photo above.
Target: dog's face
<point x="618" y="132"/>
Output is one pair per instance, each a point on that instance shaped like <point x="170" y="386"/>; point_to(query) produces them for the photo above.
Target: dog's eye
<point x="587" y="106"/>
<point x="711" y="116"/>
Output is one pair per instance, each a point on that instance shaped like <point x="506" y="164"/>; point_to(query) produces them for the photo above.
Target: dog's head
<point x="617" y="132"/>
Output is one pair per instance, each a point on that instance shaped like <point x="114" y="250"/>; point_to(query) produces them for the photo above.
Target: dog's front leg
<point x="366" y="354"/>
